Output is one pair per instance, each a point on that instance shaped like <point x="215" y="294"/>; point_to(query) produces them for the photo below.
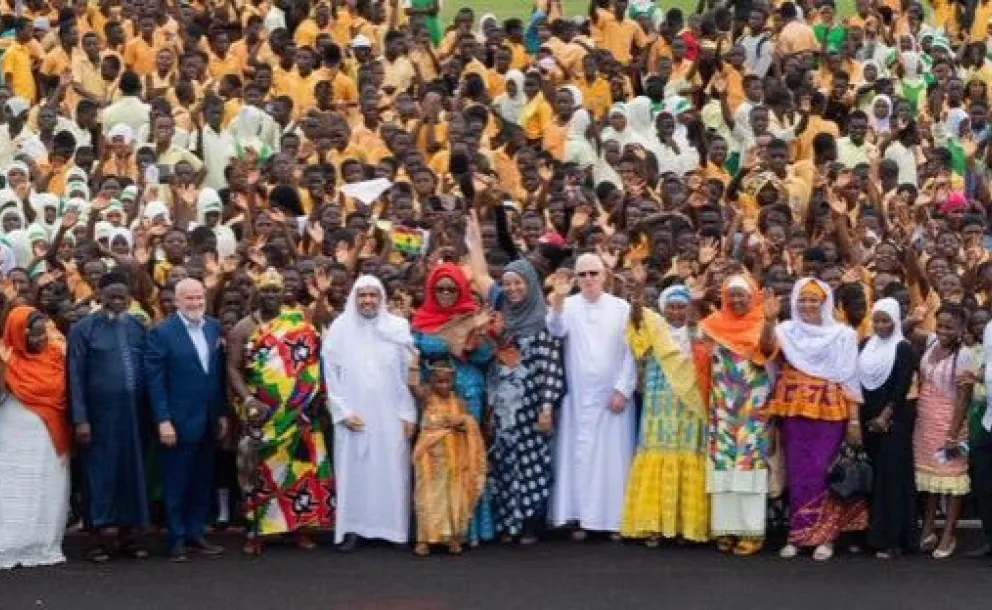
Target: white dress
<point x="594" y="446"/>
<point x="34" y="490"/>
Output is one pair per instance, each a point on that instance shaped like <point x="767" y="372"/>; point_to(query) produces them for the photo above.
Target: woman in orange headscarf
<point x="736" y="388"/>
<point x="34" y="443"/>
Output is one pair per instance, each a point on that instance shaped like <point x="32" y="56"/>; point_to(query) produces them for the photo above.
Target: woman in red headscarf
<point x="34" y="442"/>
<point x="447" y="328"/>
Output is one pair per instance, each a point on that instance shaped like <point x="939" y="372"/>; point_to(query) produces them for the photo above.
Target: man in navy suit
<point x="184" y="362"/>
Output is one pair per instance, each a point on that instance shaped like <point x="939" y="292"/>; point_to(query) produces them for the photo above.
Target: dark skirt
<point x="893" y="499"/>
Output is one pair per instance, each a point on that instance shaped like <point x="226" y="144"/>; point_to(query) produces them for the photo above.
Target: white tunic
<point x="594" y="446"/>
<point x="371" y="466"/>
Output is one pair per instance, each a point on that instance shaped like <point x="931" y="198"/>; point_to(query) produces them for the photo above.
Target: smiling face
<point x="809" y="308"/>
<point x="883" y="324"/>
<point x="948" y="330"/>
<point x="515" y="287"/>
<point x="446" y="292"/>
<point x="676" y="313"/>
<point x="740" y="301"/>
<point x="592" y="276"/>
<point x="369" y="299"/>
<point x="37" y="338"/>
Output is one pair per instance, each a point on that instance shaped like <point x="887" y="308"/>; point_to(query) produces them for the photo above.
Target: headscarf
<point x="7" y="259"/>
<point x="640" y="118"/>
<point x="38" y="380"/>
<point x="431" y="316"/>
<point x="953" y="123"/>
<point x="624" y="137"/>
<point x="527" y="316"/>
<point x="828" y="350"/>
<point x="878" y="356"/>
<point x="602" y="171"/>
<point x="677" y="293"/>
<point x="880" y="126"/>
<point x="739" y="334"/>
<point x="510" y="107"/>
<point x="39" y="203"/>
<point x="13" y="211"/>
<point x="577" y="147"/>
<point x="389" y="327"/>
<point x="21" y="246"/>
<point x="124" y="234"/>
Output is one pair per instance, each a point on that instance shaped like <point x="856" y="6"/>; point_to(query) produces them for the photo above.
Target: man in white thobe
<point x="596" y="431"/>
<point x="367" y="353"/>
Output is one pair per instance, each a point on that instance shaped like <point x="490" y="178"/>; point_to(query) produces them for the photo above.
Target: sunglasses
<point x="587" y="273"/>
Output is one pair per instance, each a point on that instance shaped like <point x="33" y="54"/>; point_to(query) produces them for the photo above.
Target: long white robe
<point x="371" y="466"/>
<point x="594" y="446"/>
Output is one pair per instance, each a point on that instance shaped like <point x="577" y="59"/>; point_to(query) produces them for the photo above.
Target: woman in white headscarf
<point x="880" y="116"/>
<point x="12" y="218"/>
<point x="578" y="149"/>
<point x="618" y="129"/>
<point x="510" y="104"/>
<point x="666" y="489"/>
<point x="46" y="209"/>
<point x="885" y="367"/>
<point x="640" y="119"/>
<point x="817" y="398"/>
<point x="603" y="170"/>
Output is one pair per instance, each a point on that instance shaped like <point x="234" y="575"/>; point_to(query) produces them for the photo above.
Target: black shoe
<point x="205" y="548"/>
<point x="179" y="554"/>
<point x="982" y="552"/>
<point x="349" y="544"/>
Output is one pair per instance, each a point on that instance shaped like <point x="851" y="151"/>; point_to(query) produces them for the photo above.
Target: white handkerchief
<point x="366" y="191"/>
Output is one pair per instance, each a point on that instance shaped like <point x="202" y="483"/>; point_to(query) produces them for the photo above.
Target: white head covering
<point x="879" y="355"/>
<point x="625" y="136"/>
<point x="377" y="350"/>
<point x="578" y="149"/>
<point x="208" y="201"/>
<point x="510" y="107"/>
<point x="880" y="126"/>
<point x="157" y="208"/>
<point x="13" y="211"/>
<point x="640" y="119"/>
<point x="20" y="244"/>
<point x="7" y="260"/>
<point x="17" y="166"/>
<point x="121" y="130"/>
<point x="602" y="171"/>
<point x="828" y="350"/>
<point x="677" y="293"/>
<point x="124" y="234"/>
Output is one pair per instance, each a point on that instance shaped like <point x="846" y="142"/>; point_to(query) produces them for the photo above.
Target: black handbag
<point x="850" y="476"/>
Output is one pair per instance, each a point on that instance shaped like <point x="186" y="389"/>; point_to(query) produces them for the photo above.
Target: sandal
<point x="305" y="542"/>
<point x="421" y="549"/>
<point x="455" y="548"/>
<point x="725" y="544"/>
<point x="929" y="542"/>
<point x="252" y="548"/>
<point x="133" y="550"/>
<point x="98" y="555"/>
<point x="824" y="552"/>
<point x="942" y="552"/>
<point x="746" y="547"/>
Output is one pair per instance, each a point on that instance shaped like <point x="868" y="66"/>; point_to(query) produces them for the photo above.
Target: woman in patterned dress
<point x="666" y="491"/>
<point x="526" y="384"/>
<point x="947" y="373"/>
<point x="736" y="387"/>
<point x="817" y="397"/>
<point x="447" y="299"/>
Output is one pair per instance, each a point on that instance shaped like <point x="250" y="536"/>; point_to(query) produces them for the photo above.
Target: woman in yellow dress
<point x="666" y="492"/>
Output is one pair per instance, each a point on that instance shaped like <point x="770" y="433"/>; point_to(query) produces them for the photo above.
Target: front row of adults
<point x="714" y="386"/>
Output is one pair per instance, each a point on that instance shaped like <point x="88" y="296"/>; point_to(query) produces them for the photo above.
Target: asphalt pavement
<point x="553" y="575"/>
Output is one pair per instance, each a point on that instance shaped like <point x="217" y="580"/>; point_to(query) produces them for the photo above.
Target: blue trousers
<point x="187" y="476"/>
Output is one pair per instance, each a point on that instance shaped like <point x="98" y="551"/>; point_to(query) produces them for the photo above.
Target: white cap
<point x="361" y="41"/>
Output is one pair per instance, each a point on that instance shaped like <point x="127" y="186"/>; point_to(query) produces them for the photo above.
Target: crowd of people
<point x="313" y="265"/>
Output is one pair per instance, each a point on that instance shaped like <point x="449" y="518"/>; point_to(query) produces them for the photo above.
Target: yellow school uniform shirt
<point x="617" y="36"/>
<point x="424" y="63"/>
<point x="140" y="56"/>
<point x="399" y="73"/>
<point x="496" y="83"/>
<point x="535" y="117"/>
<point x="596" y="95"/>
<point x="17" y="62"/>
<point x="217" y="66"/>
<point x="519" y="58"/>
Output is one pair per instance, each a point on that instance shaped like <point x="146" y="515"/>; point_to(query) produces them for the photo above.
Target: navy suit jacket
<point x="179" y="389"/>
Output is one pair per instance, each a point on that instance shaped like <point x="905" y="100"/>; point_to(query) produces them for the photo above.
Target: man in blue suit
<point x="184" y="363"/>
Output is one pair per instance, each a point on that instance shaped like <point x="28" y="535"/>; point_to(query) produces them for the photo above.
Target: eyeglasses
<point x="587" y="273"/>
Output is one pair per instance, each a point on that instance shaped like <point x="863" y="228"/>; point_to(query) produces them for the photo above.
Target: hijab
<point x="881" y="126"/>
<point x="626" y="135"/>
<point x="739" y="334"/>
<point x="38" y="380"/>
<point x="511" y="107"/>
<point x="432" y="316"/>
<point x="602" y="171"/>
<point x="828" y="350"/>
<point x="577" y="147"/>
<point x="878" y="356"/>
<point x="677" y="293"/>
<point x="527" y="316"/>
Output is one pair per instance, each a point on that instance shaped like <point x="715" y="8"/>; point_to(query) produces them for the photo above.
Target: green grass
<point x="505" y="9"/>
